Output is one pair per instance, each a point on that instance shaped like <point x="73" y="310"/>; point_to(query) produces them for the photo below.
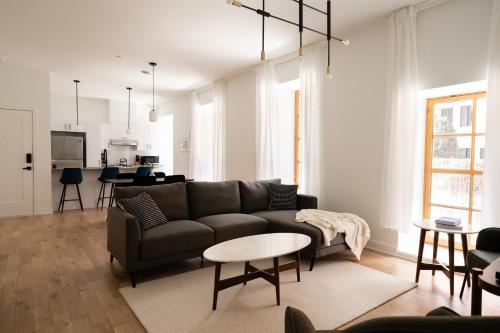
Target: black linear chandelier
<point x="300" y="25"/>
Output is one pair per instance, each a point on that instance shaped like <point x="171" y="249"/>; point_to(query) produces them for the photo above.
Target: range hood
<point x="123" y="142"/>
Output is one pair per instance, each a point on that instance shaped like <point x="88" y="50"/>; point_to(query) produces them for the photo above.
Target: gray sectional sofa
<point x="200" y="215"/>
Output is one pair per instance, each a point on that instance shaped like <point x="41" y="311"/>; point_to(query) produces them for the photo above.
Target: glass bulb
<point x="128" y="131"/>
<point x="346" y="42"/>
<point x="329" y="76"/>
<point x="153" y="116"/>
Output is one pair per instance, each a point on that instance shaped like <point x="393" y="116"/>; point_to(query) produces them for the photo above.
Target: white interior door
<point x="16" y="176"/>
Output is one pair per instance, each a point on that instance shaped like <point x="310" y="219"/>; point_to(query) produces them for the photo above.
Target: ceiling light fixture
<point x="128" y="130"/>
<point x="153" y="115"/>
<point x="77" y="127"/>
<point x="300" y="25"/>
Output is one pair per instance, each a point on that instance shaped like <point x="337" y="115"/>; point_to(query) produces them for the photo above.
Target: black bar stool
<point x="143" y="171"/>
<point x="107" y="173"/>
<point x="124" y="175"/>
<point x="70" y="176"/>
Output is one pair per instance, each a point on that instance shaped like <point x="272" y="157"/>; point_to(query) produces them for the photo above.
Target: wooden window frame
<point x="296" y="137"/>
<point x="429" y="140"/>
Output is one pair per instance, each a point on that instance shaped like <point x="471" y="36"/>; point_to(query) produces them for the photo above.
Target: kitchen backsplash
<point x="115" y="153"/>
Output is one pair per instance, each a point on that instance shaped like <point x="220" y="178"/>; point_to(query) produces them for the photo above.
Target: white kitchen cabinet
<point x="119" y="132"/>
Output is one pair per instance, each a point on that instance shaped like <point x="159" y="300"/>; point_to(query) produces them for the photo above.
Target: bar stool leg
<point x="112" y="195"/>
<point x="79" y="196"/>
<point x="103" y="195"/>
<point x="63" y="198"/>
<point x="100" y="194"/>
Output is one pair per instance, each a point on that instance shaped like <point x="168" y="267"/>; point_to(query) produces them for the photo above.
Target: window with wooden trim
<point x="296" y="137"/>
<point x="454" y="155"/>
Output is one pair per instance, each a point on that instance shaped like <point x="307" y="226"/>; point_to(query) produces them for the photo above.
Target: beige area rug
<point x="333" y="294"/>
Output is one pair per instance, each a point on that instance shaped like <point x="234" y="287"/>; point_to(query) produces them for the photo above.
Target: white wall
<point x="26" y="88"/>
<point x="240" y="127"/>
<point x="179" y="108"/>
<point x="354" y="130"/>
<point x="89" y="109"/>
<point x="453" y="43"/>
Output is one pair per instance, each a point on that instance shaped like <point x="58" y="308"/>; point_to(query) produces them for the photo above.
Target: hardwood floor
<point x="55" y="276"/>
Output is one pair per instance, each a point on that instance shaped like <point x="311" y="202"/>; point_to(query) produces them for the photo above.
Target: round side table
<point x="450" y="269"/>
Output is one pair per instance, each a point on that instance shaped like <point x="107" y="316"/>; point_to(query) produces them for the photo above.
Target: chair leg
<point x="79" y="197"/>
<point x="103" y="195"/>
<point x="63" y="198"/>
<point x="463" y="285"/>
<point x="111" y="195"/>
<point x="100" y="194"/>
<point x="132" y="279"/>
<point x="311" y="266"/>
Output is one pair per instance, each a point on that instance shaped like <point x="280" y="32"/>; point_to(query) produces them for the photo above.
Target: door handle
<point x="27" y="168"/>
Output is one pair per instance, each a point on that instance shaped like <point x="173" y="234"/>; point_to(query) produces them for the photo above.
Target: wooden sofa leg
<point x="132" y="279"/>
<point x="111" y="258"/>
<point x="311" y="266"/>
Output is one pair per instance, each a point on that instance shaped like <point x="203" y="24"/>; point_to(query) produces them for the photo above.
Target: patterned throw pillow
<point x="145" y="210"/>
<point x="282" y="197"/>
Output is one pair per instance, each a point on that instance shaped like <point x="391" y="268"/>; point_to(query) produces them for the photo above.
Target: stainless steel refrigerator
<point x="68" y="150"/>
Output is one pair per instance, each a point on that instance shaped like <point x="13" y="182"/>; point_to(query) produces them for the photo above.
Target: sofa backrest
<point x="211" y="198"/>
<point x="255" y="195"/>
<point x="172" y="199"/>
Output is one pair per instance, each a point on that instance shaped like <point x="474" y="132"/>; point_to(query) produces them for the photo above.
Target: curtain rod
<point x="429" y="4"/>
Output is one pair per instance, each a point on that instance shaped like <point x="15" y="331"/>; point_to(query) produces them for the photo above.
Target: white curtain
<point x="208" y="110"/>
<point x="491" y="181"/>
<point x="219" y="115"/>
<point x="312" y="71"/>
<point x="267" y="128"/>
<point x="398" y="179"/>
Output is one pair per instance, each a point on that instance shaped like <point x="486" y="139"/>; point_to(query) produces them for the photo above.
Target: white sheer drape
<point x="491" y="181"/>
<point x="398" y="180"/>
<point x="267" y="128"/>
<point x="219" y="128"/>
<point x="312" y="71"/>
<point x="207" y="158"/>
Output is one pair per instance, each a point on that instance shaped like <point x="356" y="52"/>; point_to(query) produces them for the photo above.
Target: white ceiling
<point x="194" y="42"/>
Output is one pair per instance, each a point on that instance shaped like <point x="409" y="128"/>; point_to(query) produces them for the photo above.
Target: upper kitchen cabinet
<point x="90" y="110"/>
<point x="118" y="112"/>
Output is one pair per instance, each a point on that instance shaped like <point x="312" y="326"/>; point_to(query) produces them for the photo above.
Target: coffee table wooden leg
<point x="216" y="284"/>
<point x="247" y="264"/>
<point x="277" y="279"/>
<point x="465" y="250"/>
<point x="451" y="255"/>
<point x="477" y="294"/>
<point x="435" y="249"/>
<point x="297" y="259"/>
<point x="420" y="253"/>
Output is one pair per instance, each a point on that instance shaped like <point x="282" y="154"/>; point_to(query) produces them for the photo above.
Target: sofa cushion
<point x="175" y="237"/>
<point x="229" y="226"/>
<point x="284" y="221"/>
<point x="145" y="210"/>
<point x="255" y="194"/>
<point x="210" y="198"/>
<point x="282" y="197"/>
<point x="171" y="198"/>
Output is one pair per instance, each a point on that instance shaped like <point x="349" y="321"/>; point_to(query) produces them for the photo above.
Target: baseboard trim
<point x="44" y="211"/>
<point x="382" y="247"/>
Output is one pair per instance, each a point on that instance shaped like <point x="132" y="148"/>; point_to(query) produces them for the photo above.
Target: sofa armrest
<point x="305" y="201"/>
<point x="296" y="321"/>
<point x="489" y="240"/>
<point x="124" y="236"/>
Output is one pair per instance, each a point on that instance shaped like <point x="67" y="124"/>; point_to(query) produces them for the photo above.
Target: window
<point x="204" y="139"/>
<point x="454" y="156"/>
<point x="288" y="136"/>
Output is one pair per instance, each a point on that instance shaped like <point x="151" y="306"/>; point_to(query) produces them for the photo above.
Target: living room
<point x="373" y="118"/>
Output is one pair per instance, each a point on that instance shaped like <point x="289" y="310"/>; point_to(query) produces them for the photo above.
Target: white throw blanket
<point x="356" y="230"/>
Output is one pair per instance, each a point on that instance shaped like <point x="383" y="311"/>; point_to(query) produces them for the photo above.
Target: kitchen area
<point x="104" y="133"/>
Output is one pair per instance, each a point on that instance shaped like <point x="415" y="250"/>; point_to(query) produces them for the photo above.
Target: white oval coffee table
<point x="258" y="247"/>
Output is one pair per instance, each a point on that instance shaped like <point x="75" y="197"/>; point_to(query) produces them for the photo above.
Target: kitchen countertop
<point x="156" y="166"/>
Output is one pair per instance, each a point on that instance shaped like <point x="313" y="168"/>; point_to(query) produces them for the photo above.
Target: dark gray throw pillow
<point x="282" y="197"/>
<point x="145" y="210"/>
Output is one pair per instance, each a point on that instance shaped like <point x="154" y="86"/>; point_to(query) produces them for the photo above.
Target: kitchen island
<point x="89" y="188"/>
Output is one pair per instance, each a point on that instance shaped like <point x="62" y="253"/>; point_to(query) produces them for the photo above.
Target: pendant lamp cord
<point x="76" y="88"/>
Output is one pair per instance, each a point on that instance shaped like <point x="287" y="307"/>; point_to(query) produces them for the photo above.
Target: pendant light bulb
<point x="128" y="130"/>
<point x="301" y="54"/>
<point x="329" y="74"/>
<point x="262" y="56"/>
<point x="153" y="115"/>
<point x="346" y="42"/>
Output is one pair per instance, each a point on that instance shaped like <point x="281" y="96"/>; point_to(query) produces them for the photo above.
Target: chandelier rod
<point x="311" y="7"/>
<point x="267" y="14"/>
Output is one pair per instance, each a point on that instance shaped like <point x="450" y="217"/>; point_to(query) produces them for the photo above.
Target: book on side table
<point x="449" y="222"/>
